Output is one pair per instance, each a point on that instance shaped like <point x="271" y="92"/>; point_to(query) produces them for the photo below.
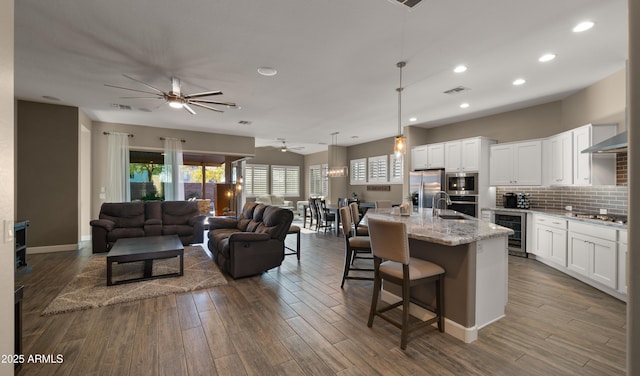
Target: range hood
<point x="615" y="144"/>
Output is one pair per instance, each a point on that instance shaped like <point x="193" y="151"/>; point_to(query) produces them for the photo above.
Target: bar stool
<point x="354" y="245"/>
<point x="294" y="230"/>
<point x="361" y="230"/>
<point x="383" y="204"/>
<point x="389" y="242"/>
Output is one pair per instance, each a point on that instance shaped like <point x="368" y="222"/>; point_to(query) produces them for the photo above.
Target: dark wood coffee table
<point x="145" y="249"/>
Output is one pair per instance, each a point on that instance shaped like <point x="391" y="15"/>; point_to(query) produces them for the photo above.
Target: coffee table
<point x="145" y="249"/>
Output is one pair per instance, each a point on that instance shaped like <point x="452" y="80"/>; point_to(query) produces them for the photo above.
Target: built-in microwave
<point x="461" y="183"/>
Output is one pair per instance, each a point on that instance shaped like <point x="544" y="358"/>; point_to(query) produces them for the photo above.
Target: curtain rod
<point x="108" y="133"/>
<point x="169" y="138"/>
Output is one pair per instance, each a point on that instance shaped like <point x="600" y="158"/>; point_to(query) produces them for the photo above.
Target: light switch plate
<point x="8" y="231"/>
<point x="103" y="196"/>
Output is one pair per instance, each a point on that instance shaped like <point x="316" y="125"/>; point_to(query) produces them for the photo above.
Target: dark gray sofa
<point x="251" y="244"/>
<point x="151" y="218"/>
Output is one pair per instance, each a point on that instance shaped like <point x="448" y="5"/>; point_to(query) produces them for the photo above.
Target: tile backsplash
<point x="582" y="199"/>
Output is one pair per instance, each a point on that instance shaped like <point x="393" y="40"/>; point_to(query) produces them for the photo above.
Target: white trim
<point x="452" y="328"/>
<point x="53" y="248"/>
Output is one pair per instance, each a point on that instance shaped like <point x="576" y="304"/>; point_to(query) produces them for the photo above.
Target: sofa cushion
<point x="122" y="232"/>
<point x="124" y="214"/>
<point x="153" y="212"/>
<point x="265" y="199"/>
<point x="275" y="222"/>
<point x="178" y="212"/>
<point x="180" y="230"/>
<point x="277" y="200"/>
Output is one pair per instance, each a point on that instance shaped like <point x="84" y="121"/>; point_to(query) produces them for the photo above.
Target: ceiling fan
<point x="175" y="98"/>
<point x="284" y="148"/>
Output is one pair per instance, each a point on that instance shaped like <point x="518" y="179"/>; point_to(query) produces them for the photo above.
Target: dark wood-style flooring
<point x="295" y="320"/>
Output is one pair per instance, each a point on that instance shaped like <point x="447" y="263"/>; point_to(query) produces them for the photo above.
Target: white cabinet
<point x="427" y="156"/>
<point x="463" y="155"/>
<point x="622" y="261"/>
<point x="597" y="168"/>
<point x="518" y="163"/>
<point x="592" y="252"/>
<point x="560" y="162"/>
<point x="550" y="239"/>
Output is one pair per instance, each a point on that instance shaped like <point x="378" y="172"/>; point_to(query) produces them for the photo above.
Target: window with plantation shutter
<point x="378" y="169"/>
<point x="395" y="169"/>
<point x="256" y="180"/>
<point x="358" y="173"/>
<point x="318" y="180"/>
<point x="285" y="180"/>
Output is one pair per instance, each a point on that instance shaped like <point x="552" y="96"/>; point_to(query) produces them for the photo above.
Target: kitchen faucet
<point x="436" y="202"/>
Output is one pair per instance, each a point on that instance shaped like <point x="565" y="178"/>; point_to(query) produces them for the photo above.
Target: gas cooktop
<point x="601" y="217"/>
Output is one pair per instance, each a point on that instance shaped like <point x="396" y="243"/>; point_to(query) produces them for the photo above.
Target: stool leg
<point x="405" y="310"/>
<point x="440" y="302"/>
<point x="347" y="261"/>
<point x="377" y="284"/>
<point x="298" y="245"/>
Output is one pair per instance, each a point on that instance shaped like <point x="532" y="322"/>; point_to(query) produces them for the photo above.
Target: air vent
<point x="456" y="90"/>
<point x="409" y="3"/>
<point x="244" y="122"/>
<point x="121" y="106"/>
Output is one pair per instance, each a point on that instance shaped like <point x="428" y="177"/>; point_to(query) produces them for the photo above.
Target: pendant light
<point x="336" y="171"/>
<point x="400" y="143"/>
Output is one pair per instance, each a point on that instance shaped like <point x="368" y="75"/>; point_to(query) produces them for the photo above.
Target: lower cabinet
<point x="594" y="255"/>
<point x="550" y="239"/>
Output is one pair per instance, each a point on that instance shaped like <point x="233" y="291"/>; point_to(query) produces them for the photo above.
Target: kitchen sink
<point x="451" y="216"/>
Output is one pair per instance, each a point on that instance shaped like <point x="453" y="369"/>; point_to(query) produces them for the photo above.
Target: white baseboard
<point x="52" y="248"/>
<point x="452" y="328"/>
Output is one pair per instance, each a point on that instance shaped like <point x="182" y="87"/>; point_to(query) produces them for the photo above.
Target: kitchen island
<point x="474" y="256"/>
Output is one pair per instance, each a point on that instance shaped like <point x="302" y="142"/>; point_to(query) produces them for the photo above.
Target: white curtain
<point x="118" y="188"/>
<point x="173" y="181"/>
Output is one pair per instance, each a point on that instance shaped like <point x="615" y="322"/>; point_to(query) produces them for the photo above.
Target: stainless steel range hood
<point x="615" y="144"/>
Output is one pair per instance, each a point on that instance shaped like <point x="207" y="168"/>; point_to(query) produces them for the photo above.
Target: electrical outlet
<point x="603" y="211"/>
<point x="568" y="208"/>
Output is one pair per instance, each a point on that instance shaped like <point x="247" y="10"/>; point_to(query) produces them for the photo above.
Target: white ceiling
<point x="336" y="60"/>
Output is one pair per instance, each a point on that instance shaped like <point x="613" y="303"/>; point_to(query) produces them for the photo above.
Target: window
<point x="395" y="169"/>
<point x="256" y="180"/>
<point x="378" y="169"/>
<point x="318" y="180"/>
<point x="358" y="173"/>
<point x="285" y="180"/>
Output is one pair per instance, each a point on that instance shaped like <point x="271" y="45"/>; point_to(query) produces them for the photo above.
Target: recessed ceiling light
<point x="460" y="69"/>
<point x="583" y="26"/>
<point x="267" y="71"/>
<point x="519" y="81"/>
<point x="546" y="57"/>
<point x="464" y="105"/>
<point x="413" y="119"/>
<point x="51" y="98"/>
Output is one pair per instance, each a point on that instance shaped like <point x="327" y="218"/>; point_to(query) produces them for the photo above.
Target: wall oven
<point x="517" y="243"/>
<point x="466" y="204"/>
<point x="461" y="183"/>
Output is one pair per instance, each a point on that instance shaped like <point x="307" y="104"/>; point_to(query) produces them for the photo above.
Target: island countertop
<point x="422" y="225"/>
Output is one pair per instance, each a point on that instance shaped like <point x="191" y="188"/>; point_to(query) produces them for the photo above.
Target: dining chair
<point x="360" y="229"/>
<point x="392" y="262"/>
<point x="327" y="218"/>
<point x="313" y="207"/>
<point x="354" y="245"/>
<point x="383" y="204"/>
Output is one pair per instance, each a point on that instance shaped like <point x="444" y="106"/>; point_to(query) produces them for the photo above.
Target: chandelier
<point x="400" y="143"/>
<point x="336" y="171"/>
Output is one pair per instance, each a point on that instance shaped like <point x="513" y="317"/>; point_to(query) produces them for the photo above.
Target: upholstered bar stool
<point x="383" y="204"/>
<point x="294" y="230"/>
<point x="390" y="246"/>
<point x="353" y="246"/>
<point x="361" y="230"/>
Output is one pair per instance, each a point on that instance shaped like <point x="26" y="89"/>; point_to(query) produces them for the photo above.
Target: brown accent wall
<point x="47" y="172"/>
<point x="622" y="174"/>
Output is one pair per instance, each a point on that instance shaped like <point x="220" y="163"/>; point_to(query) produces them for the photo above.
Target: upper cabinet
<point x="462" y="155"/>
<point x="517" y="163"/>
<point x="427" y="156"/>
<point x="565" y="164"/>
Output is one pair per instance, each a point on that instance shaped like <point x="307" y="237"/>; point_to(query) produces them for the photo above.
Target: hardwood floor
<point x="295" y="320"/>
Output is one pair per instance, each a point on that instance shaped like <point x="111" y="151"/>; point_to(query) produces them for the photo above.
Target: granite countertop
<point x="423" y="226"/>
<point x="562" y="214"/>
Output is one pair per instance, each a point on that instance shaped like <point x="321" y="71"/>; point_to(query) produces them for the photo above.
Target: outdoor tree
<point x="149" y="168"/>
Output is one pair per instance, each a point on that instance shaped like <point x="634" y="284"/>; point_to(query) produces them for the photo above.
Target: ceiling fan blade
<point x="207" y="107"/>
<point x="189" y="109"/>
<point x="126" y="88"/>
<point x="203" y="94"/>
<point x="228" y="104"/>
<point x="158" y="97"/>
<point x="144" y="83"/>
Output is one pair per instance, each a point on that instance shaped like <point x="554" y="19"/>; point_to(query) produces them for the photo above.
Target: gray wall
<point x="7" y="249"/>
<point x="148" y="138"/>
<point x="47" y="173"/>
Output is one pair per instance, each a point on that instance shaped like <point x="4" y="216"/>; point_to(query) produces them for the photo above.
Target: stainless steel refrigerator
<point x="423" y="185"/>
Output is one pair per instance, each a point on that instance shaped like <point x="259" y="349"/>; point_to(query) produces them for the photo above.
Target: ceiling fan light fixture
<point x="174" y="103"/>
